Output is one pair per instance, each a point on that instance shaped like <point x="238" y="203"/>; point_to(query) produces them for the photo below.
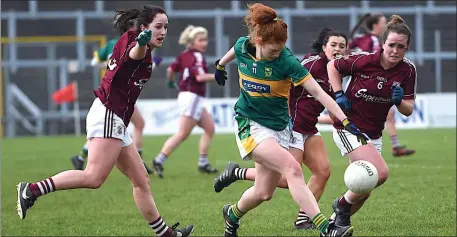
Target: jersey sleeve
<point x="296" y="72"/>
<point x="409" y="85"/>
<point x="240" y="47"/>
<point x="346" y="64"/>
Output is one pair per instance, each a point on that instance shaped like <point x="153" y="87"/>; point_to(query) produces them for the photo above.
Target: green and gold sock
<point x="234" y="213"/>
<point x="321" y="222"/>
<point x="83" y="154"/>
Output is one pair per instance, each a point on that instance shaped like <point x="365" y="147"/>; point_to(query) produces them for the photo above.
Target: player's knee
<point x="264" y="195"/>
<point x="322" y="173"/>
<point x="139" y="125"/>
<point x="383" y="174"/>
<point x="292" y="170"/>
<point x="210" y="130"/>
<point x="182" y="135"/>
<point x="94" y="181"/>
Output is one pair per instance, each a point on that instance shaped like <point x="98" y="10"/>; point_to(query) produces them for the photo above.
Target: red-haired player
<point x="307" y="145"/>
<point x="373" y="25"/>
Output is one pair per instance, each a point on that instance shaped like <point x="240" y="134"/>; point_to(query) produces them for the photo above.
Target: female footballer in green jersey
<point x="266" y="68"/>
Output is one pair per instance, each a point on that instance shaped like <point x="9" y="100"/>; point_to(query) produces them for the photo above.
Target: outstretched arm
<point x="228" y="57"/>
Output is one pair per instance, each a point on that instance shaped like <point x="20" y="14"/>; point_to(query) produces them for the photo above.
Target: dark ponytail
<point x="323" y="37"/>
<point x="125" y="19"/>
<point x="317" y="45"/>
<point x="359" y="23"/>
<point x="367" y="21"/>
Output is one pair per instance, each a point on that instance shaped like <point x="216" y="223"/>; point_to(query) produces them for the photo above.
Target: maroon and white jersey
<point x="190" y="63"/>
<point x="304" y="109"/>
<point x="370" y="89"/>
<point x="367" y="43"/>
<point x="124" y="78"/>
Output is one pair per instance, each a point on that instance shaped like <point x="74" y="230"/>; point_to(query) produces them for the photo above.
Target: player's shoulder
<point x="240" y="45"/>
<point x="311" y="58"/>
<point x="409" y="63"/>
<point x="128" y="36"/>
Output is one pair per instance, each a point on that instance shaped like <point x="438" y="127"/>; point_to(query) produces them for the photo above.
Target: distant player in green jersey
<point x="266" y="68"/>
<point x="100" y="59"/>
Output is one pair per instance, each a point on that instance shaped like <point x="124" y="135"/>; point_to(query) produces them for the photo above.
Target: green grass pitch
<point x="418" y="199"/>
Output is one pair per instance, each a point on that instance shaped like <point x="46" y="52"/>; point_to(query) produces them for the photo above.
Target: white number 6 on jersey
<point x="380" y="85"/>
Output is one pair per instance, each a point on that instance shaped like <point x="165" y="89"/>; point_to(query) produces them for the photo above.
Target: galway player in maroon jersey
<point x="307" y="145"/>
<point x="373" y="25"/>
<point x="379" y="81"/>
<point x="191" y="65"/>
<point x="100" y="59"/>
<point x="129" y="68"/>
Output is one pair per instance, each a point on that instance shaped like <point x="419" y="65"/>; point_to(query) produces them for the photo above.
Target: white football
<point x="361" y="176"/>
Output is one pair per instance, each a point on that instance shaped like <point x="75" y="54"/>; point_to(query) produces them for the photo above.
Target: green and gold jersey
<point x="265" y="85"/>
<point x="103" y="54"/>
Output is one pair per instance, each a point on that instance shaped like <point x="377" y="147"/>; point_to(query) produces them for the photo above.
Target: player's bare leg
<point x="274" y="161"/>
<point x="79" y="160"/>
<point x="103" y="154"/>
<point x="129" y="163"/>
<point x="397" y="149"/>
<point x="138" y="122"/>
<point x="343" y="206"/>
<point x="186" y="124"/>
<point x="315" y="157"/>
<point x="207" y="124"/>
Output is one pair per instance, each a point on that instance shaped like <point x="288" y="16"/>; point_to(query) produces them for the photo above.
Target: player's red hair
<point x="263" y="22"/>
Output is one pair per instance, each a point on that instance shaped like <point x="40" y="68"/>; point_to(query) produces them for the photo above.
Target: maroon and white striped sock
<point x="43" y="187"/>
<point x="161" y="229"/>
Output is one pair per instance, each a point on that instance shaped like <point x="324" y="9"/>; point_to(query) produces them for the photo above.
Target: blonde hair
<point x="188" y="35"/>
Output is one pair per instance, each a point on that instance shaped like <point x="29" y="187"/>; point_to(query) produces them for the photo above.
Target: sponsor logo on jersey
<point x="140" y="83"/>
<point x="381" y="79"/>
<point x="364" y="76"/>
<point x="243" y="65"/>
<point x="255" y="87"/>
<point x="362" y="93"/>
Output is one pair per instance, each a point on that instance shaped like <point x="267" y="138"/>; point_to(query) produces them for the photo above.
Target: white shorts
<point x="348" y="142"/>
<point x="102" y="122"/>
<point x="191" y="104"/>
<point x="298" y="140"/>
<point x="249" y="134"/>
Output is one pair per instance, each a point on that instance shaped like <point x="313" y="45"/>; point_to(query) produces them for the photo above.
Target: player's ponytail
<point x="396" y="25"/>
<point x="122" y="19"/>
<point x="359" y="24"/>
<point x="263" y="22"/>
<point x="143" y="16"/>
<point x="321" y="40"/>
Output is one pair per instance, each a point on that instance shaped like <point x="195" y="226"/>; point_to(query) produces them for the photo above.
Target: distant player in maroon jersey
<point x="307" y="145"/>
<point x="191" y="65"/>
<point x="373" y="26"/>
<point x="379" y="81"/>
<point x="129" y="68"/>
